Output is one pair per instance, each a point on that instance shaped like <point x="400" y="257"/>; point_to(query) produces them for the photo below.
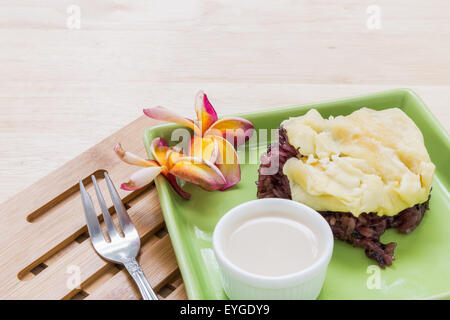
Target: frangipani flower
<point x="213" y="139"/>
<point x="211" y="160"/>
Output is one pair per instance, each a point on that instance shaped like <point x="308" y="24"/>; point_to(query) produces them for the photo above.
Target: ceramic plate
<point x="422" y="266"/>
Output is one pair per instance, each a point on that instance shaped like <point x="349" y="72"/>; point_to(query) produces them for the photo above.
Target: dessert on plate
<point x="364" y="173"/>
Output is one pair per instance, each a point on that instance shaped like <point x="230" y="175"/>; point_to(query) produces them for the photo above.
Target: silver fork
<point x="121" y="249"/>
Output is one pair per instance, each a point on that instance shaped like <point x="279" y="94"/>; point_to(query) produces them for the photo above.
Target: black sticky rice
<point x="363" y="231"/>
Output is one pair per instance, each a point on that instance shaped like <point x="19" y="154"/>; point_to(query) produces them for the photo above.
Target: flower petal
<point x="141" y="178"/>
<point x="228" y="162"/>
<point x="173" y="181"/>
<point x="200" y="172"/>
<point x="206" y="114"/>
<point x="205" y="148"/>
<point x="235" y="130"/>
<point x="159" y="149"/>
<point x="172" y="156"/>
<point x="163" y="114"/>
<point x="133" y="159"/>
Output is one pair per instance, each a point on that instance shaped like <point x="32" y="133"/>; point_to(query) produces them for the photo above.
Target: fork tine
<point x="106" y="216"/>
<point x="124" y="218"/>
<point x="91" y="218"/>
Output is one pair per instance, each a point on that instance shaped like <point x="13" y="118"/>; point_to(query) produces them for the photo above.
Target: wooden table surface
<point x="64" y="88"/>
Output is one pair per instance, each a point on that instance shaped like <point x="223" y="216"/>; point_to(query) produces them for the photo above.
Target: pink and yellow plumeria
<point x="211" y="160"/>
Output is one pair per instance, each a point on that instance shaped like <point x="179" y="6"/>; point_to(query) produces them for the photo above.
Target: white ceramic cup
<point x="304" y="284"/>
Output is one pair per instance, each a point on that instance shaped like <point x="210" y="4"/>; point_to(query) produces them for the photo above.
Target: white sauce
<point x="271" y="245"/>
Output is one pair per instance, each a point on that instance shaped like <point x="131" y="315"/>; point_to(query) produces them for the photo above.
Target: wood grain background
<point x="63" y="90"/>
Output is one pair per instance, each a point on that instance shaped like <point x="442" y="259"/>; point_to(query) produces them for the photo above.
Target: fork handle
<point x="138" y="275"/>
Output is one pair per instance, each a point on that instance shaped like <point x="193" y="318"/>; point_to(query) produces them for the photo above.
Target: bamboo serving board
<point x="45" y="251"/>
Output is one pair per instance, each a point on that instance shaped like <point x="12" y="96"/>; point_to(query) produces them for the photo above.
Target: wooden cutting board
<point x="45" y="251"/>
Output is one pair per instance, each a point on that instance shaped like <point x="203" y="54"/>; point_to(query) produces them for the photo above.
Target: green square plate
<point x="422" y="266"/>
